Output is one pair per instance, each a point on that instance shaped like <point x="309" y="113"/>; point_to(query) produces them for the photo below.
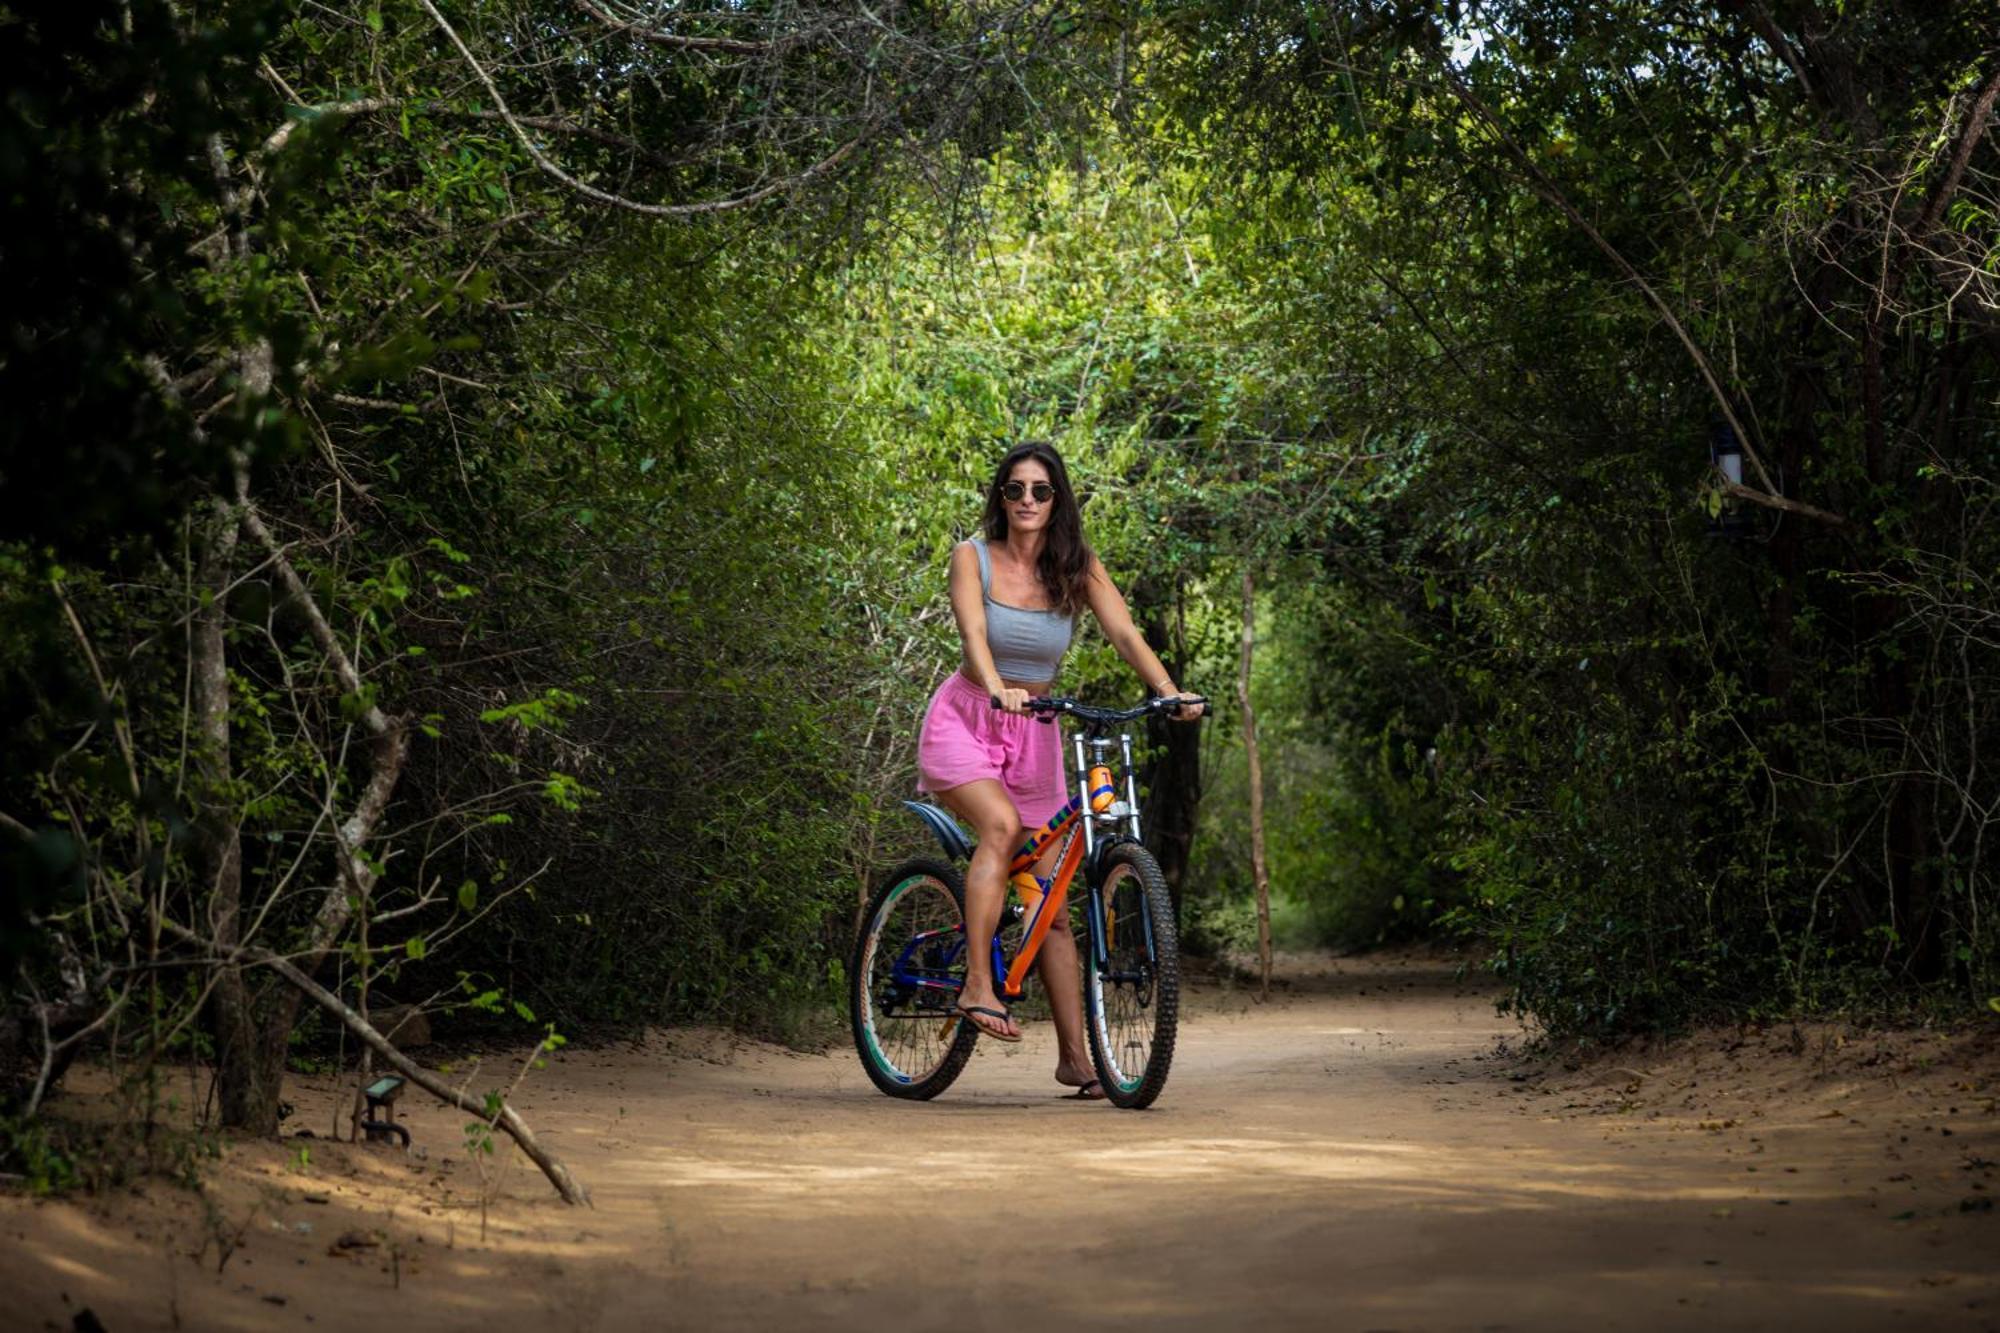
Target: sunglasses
<point x="1012" y="491"/>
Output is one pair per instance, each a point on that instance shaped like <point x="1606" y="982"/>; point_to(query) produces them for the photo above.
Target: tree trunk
<point x="250" y="1072"/>
<point x="1259" y="874"/>
<point x="247" y="1075"/>
<point x="256" y="1027"/>
<point x="1172" y="773"/>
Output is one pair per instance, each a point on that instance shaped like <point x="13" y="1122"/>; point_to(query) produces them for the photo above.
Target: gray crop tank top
<point x="1026" y="645"/>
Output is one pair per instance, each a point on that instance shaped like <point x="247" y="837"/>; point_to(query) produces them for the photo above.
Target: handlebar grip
<point x="1037" y="704"/>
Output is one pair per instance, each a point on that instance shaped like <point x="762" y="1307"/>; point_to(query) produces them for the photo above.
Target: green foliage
<point x="34" y="1151"/>
<point x="1652" y="760"/>
<point x="635" y="534"/>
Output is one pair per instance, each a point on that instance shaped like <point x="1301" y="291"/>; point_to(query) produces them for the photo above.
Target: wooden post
<point x="1259" y="871"/>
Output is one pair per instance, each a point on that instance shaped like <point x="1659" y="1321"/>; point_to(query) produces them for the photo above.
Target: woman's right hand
<point x="1011" y="700"/>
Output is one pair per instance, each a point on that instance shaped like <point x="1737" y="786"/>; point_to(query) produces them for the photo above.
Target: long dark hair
<point x="1064" y="567"/>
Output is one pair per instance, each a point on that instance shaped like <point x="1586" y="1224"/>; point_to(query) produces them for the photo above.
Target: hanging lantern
<point x="1725" y="455"/>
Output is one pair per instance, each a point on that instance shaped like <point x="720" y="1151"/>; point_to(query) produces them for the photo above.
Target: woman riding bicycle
<point x="1015" y="593"/>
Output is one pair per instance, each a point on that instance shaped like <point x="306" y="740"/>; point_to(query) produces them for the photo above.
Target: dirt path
<point x="1352" y="1156"/>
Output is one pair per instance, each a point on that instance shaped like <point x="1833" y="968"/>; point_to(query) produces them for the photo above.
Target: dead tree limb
<point x="389" y="745"/>
<point x="507" y="1119"/>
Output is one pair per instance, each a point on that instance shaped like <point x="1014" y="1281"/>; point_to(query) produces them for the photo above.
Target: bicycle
<point x="909" y="956"/>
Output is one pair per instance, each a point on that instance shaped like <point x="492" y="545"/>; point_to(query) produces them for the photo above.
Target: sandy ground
<point x="1356" y="1154"/>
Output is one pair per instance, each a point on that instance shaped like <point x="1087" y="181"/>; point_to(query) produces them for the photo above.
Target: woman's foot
<point x="1088" y="1089"/>
<point x="988" y="1015"/>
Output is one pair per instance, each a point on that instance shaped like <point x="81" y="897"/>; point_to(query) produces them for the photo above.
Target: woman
<point x="1016" y="593"/>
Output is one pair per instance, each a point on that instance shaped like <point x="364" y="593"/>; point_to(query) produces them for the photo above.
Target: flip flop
<point x="966" y="1011"/>
<point x="1084" y="1093"/>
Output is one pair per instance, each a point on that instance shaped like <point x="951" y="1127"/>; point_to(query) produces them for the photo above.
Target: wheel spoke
<point x="1124" y="991"/>
<point x="1134" y="991"/>
<point x="909" y="1027"/>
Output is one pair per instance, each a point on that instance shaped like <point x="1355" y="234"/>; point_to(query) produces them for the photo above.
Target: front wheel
<point x="909" y="964"/>
<point x="1132" y="979"/>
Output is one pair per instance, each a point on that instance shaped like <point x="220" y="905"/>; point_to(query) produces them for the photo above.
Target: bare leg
<point x="1061" y="969"/>
<point x="1063" y="977"/>
<point x="986" y="806"/>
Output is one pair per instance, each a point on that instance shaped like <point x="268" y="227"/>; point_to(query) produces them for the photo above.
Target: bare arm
<point x="1115" y="618"/>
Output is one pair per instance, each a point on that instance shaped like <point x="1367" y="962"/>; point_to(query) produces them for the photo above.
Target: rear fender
<point x="950" y="836"/>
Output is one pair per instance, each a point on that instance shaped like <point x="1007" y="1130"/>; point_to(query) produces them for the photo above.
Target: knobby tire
<point x="901" y="1041"/>
<point x="1132" y="1026"/>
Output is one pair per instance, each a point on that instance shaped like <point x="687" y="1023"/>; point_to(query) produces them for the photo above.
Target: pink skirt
<point x="965" y="738"/>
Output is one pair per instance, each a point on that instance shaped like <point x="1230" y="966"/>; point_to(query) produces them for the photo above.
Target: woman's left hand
<point x="1190" y="709"/>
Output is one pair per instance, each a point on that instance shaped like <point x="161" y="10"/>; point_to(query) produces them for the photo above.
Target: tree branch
<point x="279" y="137"/>
<point x="388" y="751"/>
<point x="1540" y="182"/>
<point x="372" y="717"/>
<point x="1969" y="135"/>
<point x="1737" y="490"/>
<point x="1767" y="28"/>
<point x="649" y="34"/>
<point x="552" y="1167"/>
<point x="589" y="191"/>
<point x="549" y="124"/>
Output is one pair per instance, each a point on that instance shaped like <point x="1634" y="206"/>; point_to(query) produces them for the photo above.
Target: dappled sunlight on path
<point x="1354" y="1154"/>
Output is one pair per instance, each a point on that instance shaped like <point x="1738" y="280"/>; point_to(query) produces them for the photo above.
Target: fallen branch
<point x="507" y="1119"/>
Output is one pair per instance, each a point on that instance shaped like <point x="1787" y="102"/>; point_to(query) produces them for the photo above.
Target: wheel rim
<point x="1126" y="988"/>
<point x="909" y="1029"/>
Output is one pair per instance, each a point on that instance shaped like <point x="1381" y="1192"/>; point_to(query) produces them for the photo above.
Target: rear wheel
<point x="1133" y="996"/>
<point x="908" y="966"/>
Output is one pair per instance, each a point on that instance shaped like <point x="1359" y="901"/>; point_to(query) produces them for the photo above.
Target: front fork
<point x="1103" y="926"/>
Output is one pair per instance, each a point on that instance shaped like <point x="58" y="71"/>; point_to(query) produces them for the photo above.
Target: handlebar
<point x="1045" y="708"/>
